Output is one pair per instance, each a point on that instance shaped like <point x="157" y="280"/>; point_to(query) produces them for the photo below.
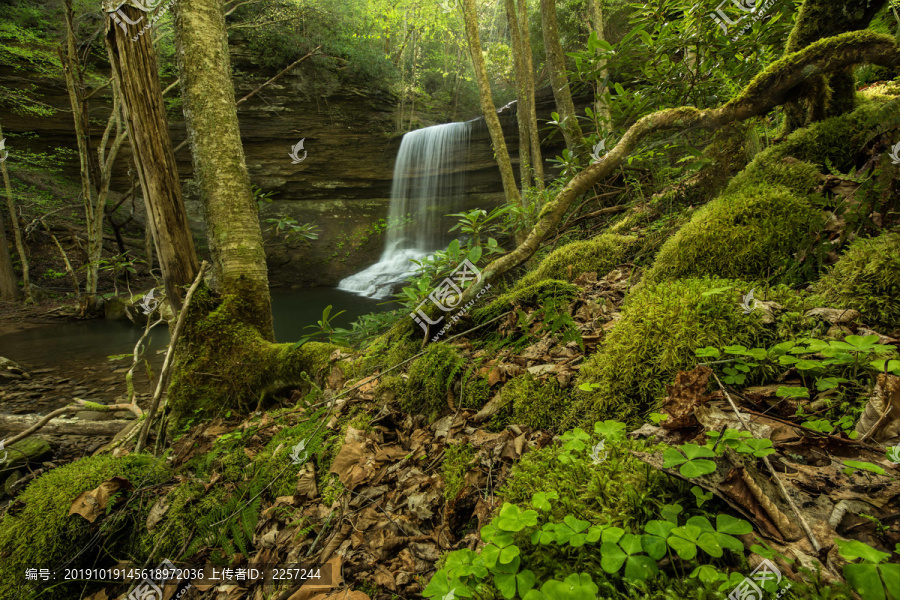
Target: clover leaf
<point x="692" y="463"/>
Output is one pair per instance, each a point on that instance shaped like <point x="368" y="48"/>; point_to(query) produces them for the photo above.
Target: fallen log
<point x="63" y="426"/>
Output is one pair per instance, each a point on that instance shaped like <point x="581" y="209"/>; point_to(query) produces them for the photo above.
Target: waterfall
<point x="429" y="182"/>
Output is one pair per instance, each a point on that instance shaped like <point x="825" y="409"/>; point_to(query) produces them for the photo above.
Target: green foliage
<point x="872" y="578"/>
<point x="228" y="528"/>
<point x="752" y="235"/>
<point x="600" y="254"/>
<point x="867" y="278"/>
<point x="457" y="459"/>
<point x="531" y="295"/>
<point x="430" y="378"/>
<point x="661" y="325"/>
<point x="42" y="534"/>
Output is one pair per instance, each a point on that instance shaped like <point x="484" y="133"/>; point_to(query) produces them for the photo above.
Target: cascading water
<point x="429" y="181"/>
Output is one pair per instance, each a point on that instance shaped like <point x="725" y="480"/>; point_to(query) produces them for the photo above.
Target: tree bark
<point x="63" y="425"/>
<point x="17" y="231"/>
<point x="773" y="87"/>
<point x="601" y="106"/>
<point x="556" y="64"/>
<point x="822" y="96"/>
<point x="235" y="238"/>
<point x="537" y="160"/>
<point x="487" y="104"/>
<point x="135" y="69"/>
<point x="525" y="170"/>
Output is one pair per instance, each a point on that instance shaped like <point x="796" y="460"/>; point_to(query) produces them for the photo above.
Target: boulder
<point x="29" y="450"/>
<point x="12" y="370"/>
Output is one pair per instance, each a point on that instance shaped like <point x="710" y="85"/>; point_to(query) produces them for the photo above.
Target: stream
<point x="72" y="359"/>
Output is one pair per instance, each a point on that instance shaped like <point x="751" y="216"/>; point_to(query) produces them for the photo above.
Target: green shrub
<point x="42" y="534"/>
<point x="430" y="378"/>
<point x="600" y="254"/>
<point x="660" y="328"/>
<point x="867" y="278"/>
<point x="751" y="235"/>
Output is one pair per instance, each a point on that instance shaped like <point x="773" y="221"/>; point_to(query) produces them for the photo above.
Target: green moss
<point x="537" y="404"/>
<point x="430" y="378"/>
<point x="476" y="391"/>
<point x="867" y="278"/>
<point x="189" y="502"/>
<point x="753" y="235"/>
<point x="600" y="254"/>
<point x="41" y="534"/>
<point x="533" y="294"/>
<point x="221" y="362"/>
<point x="660" y="328"/>
<point x="454" y="467"/>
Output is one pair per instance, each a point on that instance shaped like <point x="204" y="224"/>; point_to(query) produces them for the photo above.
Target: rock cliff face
<point x="343" y="185"/>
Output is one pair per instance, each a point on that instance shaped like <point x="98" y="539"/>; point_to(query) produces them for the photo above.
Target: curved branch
<point x="769" y="89"/>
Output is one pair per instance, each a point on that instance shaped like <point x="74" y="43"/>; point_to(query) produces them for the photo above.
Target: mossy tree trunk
<point x="825" y="96"/>
<point x="556" y="64"/>
<point x="601" y="106"/>
<point x="525" y="169"/>
<point x="537" y="160"/>
<point x="135" y="69"/>
<point x="9" y="292"/>
<point x="487" y="104"/>
<point x="232" y="219"/>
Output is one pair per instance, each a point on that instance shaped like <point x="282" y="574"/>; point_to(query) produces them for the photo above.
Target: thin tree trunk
<point x="601" y="107"/>
<point x="17" y="233"/>
<point x="135" y="69"/>
<point x="65" y="258"/>
<point x="525" y="172"/>
<point x="537" y="161"/>
<point x="9" y="291"/>
<point x="235" y="238"/>
<point x="556" y="64"/>
<point x="487" y="104"/>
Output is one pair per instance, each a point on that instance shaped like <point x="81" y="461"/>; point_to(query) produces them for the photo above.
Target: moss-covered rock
<point x="867" y="278"/>
<point x="222" y="362"/>
<point x="537" y="404"/>
<point x="430" y="378"/>
<point x="457" y="459"/>
<point x="751" y="235"/>
<point x="600" y="254"/>
<point x="42" y="534"/>
<point x="661" y="326"/>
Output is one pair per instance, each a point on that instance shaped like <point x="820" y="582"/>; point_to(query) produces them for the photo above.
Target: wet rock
<point x="114" y="309"/>
<point x="10" y="481"/>
<point x="11" y="370"/>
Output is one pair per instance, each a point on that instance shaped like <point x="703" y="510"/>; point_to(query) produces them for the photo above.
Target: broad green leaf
<point x="508" y="554"/>
<point x="541" y="500"/>
<point x="853" y="549"/>
<point x="706" y="574"/>
<point x="525" y="580"/>
<point x="865" y="580"/>
<point x="490" y="554"/>
<point x="612" y="557"/>
<point x="686" y="549"/>
<point x="672" y="458"/>
<point x="890" y="574"/>
<point x="612" y="534"/>
<point x="640" y="568"/>
<point x="506" y="584"/>
<point x="866" y="466"/>
<point x="732" y="525"/>
<point x="697" y="468"/>
<point x="709" y="543"/>
<point x="631" y="543"/>
<point x="576" y="525"/>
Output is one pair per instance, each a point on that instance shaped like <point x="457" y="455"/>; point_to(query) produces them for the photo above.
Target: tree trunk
<point x="601" y="106"/>
<point x="825" y="96"/>
<point x="556" y="64"/>
<point x="9" y="291"/>
<point x="137" y="74"/>
<point x="537" y="160"/>
<point x="235" y="238"/>
<point x="525" y="171"/>
<point x="487" y="104"/>
<point x="17" y="232"/>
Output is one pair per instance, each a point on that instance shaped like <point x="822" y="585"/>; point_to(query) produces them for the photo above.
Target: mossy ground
<point x="600" y="254"/>
<point x="661" y="326"/>
<point x="534" y="295"/>
<point x="531" y="402"/>
<point x="867" y="278"/>
<point x="41" y="533"/>
<point x="430" y="379"/>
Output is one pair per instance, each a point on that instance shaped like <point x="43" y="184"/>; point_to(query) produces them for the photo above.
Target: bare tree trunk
<point x="601" y="107"/>
<point x="537" y="160"/>
<point x="825" y="96"/>
<point x="9" y="291"/>
<point x="525" y="171"/>
<point x="233" y="230"/>
<point x="487" y="104"/>
<point x="17" y="233"/>
<point x="556" y="64"/>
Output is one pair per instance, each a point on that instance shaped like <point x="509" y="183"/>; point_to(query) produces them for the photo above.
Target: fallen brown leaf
<point x="92" y="503"/>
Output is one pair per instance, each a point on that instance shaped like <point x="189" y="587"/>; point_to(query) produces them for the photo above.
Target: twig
<point x="784" y="492"/>
<point x="877" y="423"/>
<point x="160" y="384"/>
